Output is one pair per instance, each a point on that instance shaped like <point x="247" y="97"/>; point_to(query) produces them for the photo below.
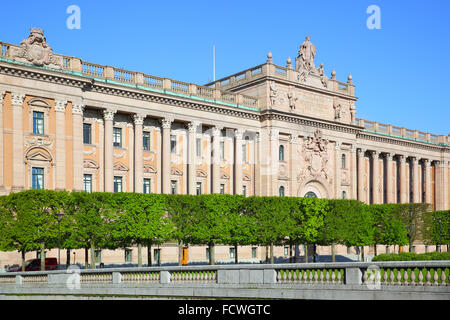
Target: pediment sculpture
<point x="35" y="50"/>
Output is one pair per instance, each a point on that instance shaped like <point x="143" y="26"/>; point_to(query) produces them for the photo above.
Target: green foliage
<point x="410" y="256"/>
<point x="440" y="227"/>
<point x="388" y="226"/>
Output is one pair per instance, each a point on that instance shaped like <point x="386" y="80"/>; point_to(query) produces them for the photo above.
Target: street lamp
<point x="59" y="216"/>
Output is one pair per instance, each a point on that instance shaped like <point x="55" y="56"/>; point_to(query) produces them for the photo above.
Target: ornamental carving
<point x="35" y="49"/>
<point x="314" y="157"/>
<point x="38" y="142"/>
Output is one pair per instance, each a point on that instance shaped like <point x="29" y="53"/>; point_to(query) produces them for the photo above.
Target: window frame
<point x="146" y="141"/>
<point x="117" y="133"/>
<point x="33" y="175"/>
<point x="121" y="183"/>
<point x="41" y="127"/>
<point x="85" y="125"/>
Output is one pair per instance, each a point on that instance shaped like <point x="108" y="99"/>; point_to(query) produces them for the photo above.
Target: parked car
<point x="35" y="265"/>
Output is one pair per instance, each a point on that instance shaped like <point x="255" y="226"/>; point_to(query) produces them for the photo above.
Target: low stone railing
<point x="408" y="273"/>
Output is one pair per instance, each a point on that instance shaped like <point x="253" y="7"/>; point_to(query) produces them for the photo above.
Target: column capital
<point x="414" y="160"/>
<point x="388" y="156"/>
<point x="2" y="95"/>
<point x="426" y="162"/>
<point x="239" y="133"/>
<point x="166" y="123"/>
<point x="293" y="138"/>
<point x="361" y="151"/>
<point x="274" y="134"/>
<point x="337" y="145"/>
<point x="401" y="158"/>
<point x="60" y="105"/>
<point x="216" y="131"/>
<point x="78" y="109"/>
<point x="374" y="153"/>
<point x="139" y="119"/>
<point x="108" y="114"/>
<point x="17" y="99"/>
<point x="192" y="126"/>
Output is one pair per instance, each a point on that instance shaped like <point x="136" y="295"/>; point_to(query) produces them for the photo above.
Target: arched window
<point x="281" y="153"/>
<point x="310" y="194"/>
<point x="281" y="191"/>
<point x="343" y="161"/>
<point x="344" y="195"/>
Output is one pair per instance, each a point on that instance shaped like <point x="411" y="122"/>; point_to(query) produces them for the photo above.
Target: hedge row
<point x="411" y="256"/>
<point x="29" y="221"/>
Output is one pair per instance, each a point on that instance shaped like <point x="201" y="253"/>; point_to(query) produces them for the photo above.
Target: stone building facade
<point x="66" y="124"/>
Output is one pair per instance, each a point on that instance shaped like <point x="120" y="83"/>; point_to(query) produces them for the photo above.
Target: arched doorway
<point x="310" y="194"/>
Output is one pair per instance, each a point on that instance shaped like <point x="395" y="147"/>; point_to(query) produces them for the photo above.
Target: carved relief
<point x="90" y="164"/>
<point x="176" y="172"/>
<point x="35" y="49"/>
<point x="314" y="157"/>
<point x="38" y="142"/>
<point x="149" y="169"/>
<point x="120" y="167"/>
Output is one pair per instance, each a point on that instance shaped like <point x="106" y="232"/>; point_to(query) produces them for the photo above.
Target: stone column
<point x="427" y="184"/>
<point x="375" y="177"/>
<point x="238" y="134"/>
<point x="415" y="179"/>
<point x="274" y="165"/>
<point x="439" y="186"/>
<point x="18" y="156"/>
<point x="338" y="170"/>
<point x="138" y="153"/>
<point x="60" y="144"/>
<point x="403" y="182"/>
<point x="258" y="164"/>
<point x="354" y="172"/>
<point x="166" y="125"/>
<point x="293" y="167"/>
<point x="192" y="165"/>
<point x="2" y="182"/>
<point x="445" y="190"/>
<point x="389" y="182"/>
<point x="361" y="165"/>
<point x="216" y="159"/>
<point x="108" y="116"/>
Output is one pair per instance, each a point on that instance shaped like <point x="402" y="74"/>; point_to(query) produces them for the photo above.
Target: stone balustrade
<point x="400" y="132"/>
<point x="100" y="72"/>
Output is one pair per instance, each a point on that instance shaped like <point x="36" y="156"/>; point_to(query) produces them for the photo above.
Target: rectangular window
<point x="147" y="186"/>
<point x="117" y="184"/>
<point x="117" y="132"/>
<point x="232" y="253"/>
<point x="198" y="147"/>
<point x="199" y="188"/>
<point x="173" y="144"/>
<point x="244" y="191"/>
<point x="173" y="186"/>
<point x="222" y="189"/>
<point x="254" y="252"/>
<point x="38" y="178"/>
<point x="222" y="150"/>
<point x="244" y="153"/>
<point x="87" y="182"/>
<point x="146" y="140"/>
<point x="128" y="255"/>
<point x="38" y="122"/>
<point x="87" y="136"/>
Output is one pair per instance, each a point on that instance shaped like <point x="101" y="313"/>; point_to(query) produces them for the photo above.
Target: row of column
<point x="391" y="189"/>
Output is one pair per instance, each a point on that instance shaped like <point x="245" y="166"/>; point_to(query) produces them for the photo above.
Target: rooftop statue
<point x="306" y="54"/>
<point x="35" y="49"/>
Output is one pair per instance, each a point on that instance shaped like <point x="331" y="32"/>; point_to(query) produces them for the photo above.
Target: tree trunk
<point x="362" y="253"/>
<point x="149" y="255"/>
<point x="314" y="253"/>
<point x="43" y="257"/>
<point x="333" y="256"/>
<point x="387" y="249"/>
<point x="23" y="260"/>
<point x="67" y="258"/>
<point x="236" y="259"/>
<point x="92" y="256"/>
<point x="267" y="254"/>
<point x="211" y="253"/>
<point x="180" y="254"/>
<point x="291" y="254"/>
<point x="306" y="253"/>
<point x="139" y="255"/>
<point x="271" y="253"/>
<point x="86" y="258"/>
<point x="375" y="249"/>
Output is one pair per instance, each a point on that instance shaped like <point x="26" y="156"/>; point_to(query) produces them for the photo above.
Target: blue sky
<point x="401" y="72"/>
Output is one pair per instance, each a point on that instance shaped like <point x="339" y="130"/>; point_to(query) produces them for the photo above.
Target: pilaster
<point x="60" y="143"/>
<point x="17" y="100"/>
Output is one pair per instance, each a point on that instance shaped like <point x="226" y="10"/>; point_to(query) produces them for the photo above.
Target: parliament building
<point x="270" y="130"/>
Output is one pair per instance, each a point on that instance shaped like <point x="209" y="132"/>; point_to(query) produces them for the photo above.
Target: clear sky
<point x="401" y="71"/>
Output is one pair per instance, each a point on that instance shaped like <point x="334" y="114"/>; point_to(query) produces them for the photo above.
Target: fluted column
<point x="109" y="150"/>
<point x="2" y="181"/>
<point x="238" y="134"/>
<point x="337" y="149"/>
<point x="18" y="156"/>
<point x="192" y="165"/>
<point x="138" y="153"/>
<point x="354" y="172"/>
<point x="427" y="184"/>
<point x="403" y="182"/>
<point x="361" y="167"/>
<point x="216" y="159"/>
<point x="415" y="179"/>
<point x="166" y="125"/>
<point x="389" y="179"/>
<point x="60" y="143"/>
<point x="375" y="177"/>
